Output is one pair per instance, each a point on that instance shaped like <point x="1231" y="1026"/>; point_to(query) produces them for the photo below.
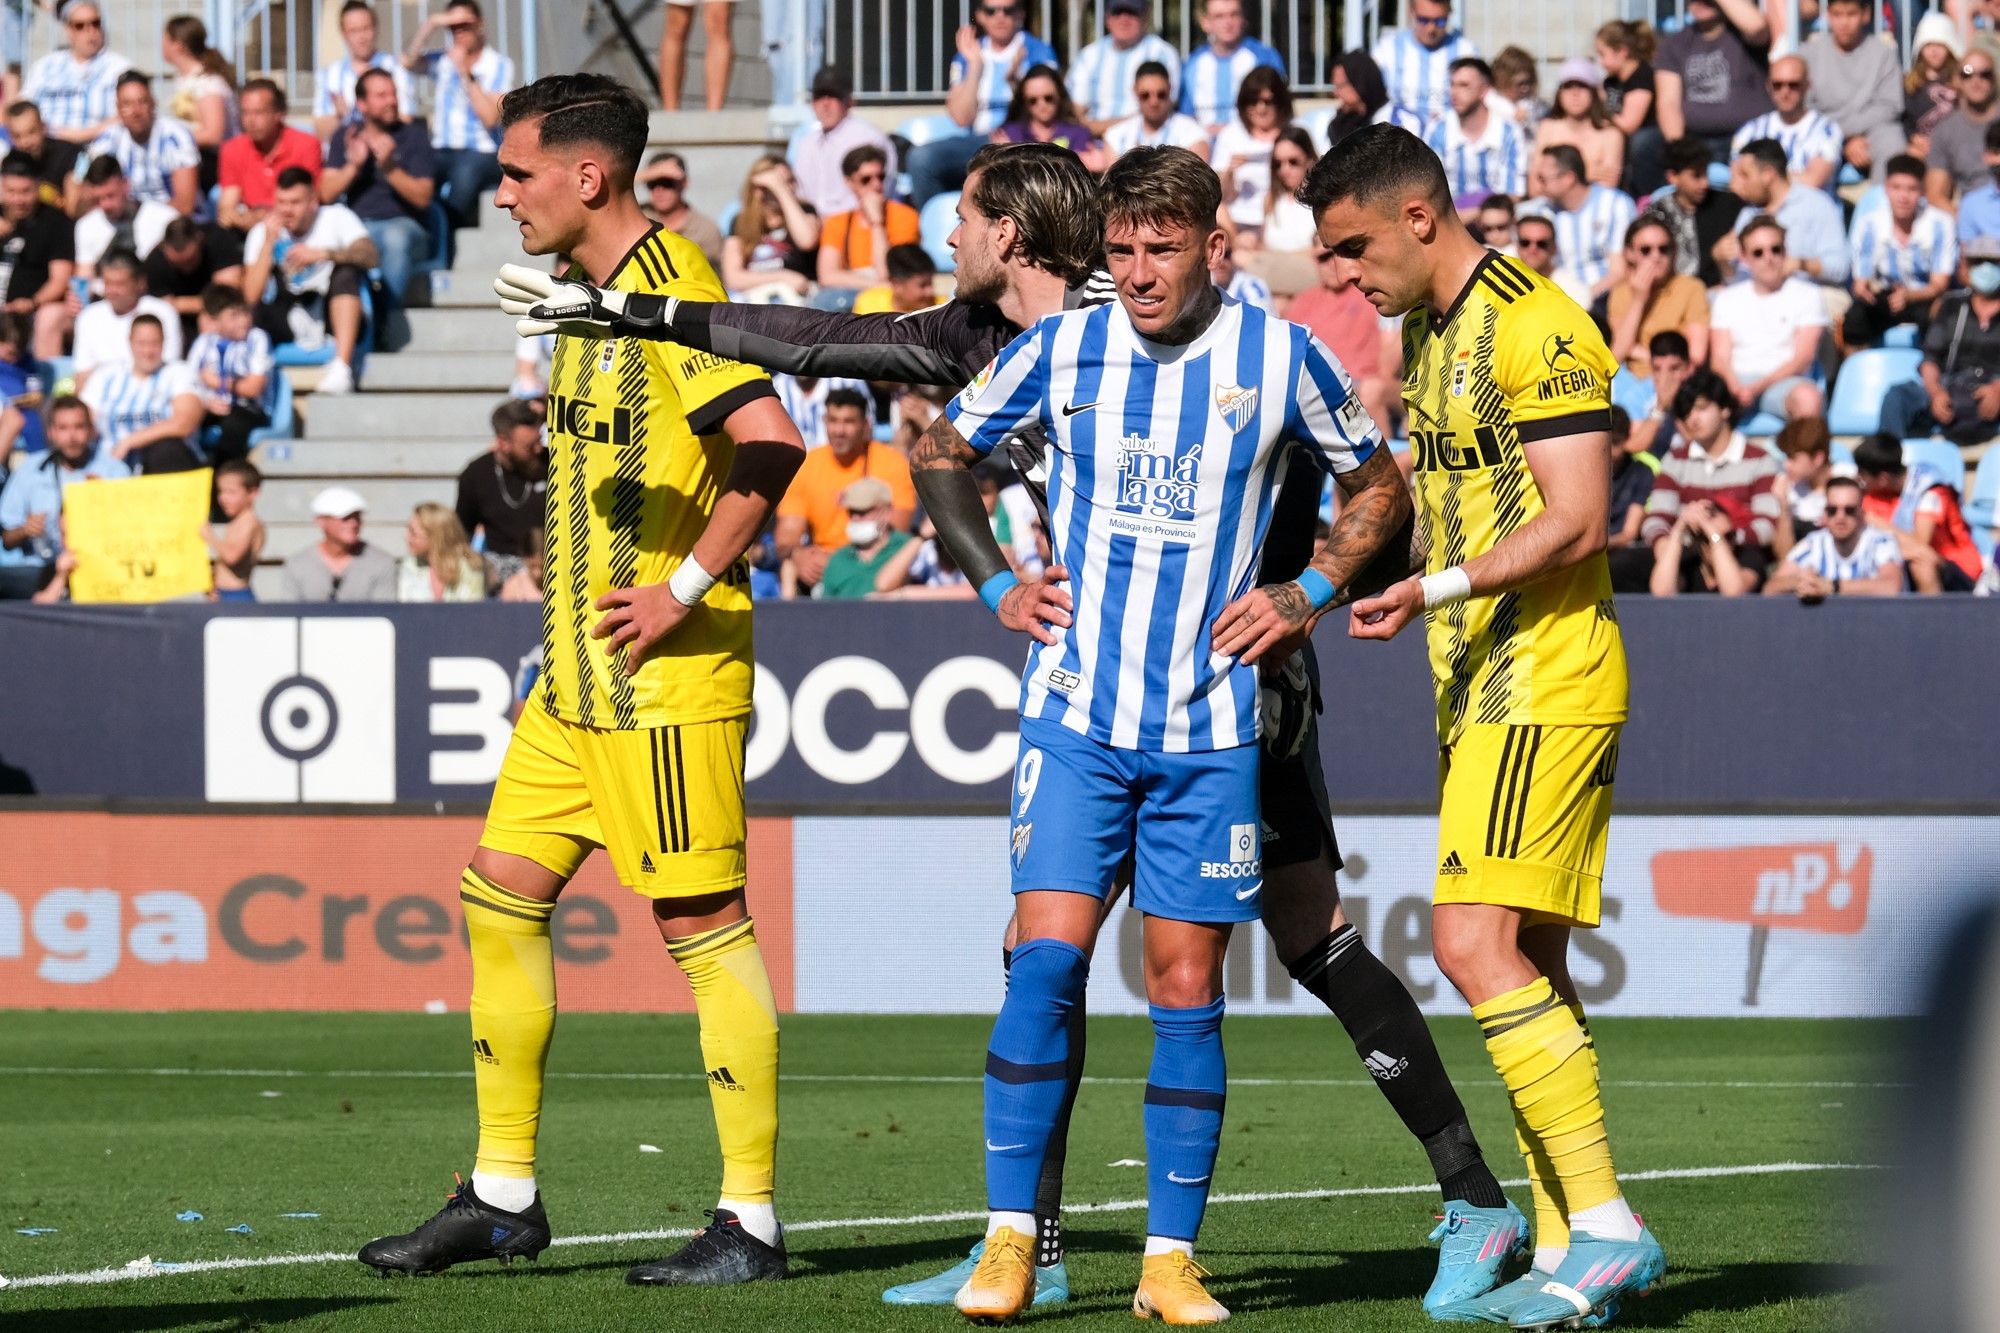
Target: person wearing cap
<point x="1710" y="74"/>
<point x="1579" y="119"/>
<point x="1958" y="392"/>
<point x="873" y="538"/>
<point x="1101" y="79"/>
<point x="339" y="567"/>
<point x="814" y="507"/>
<point x="1856" y="83"/>
<point x="1416" y="59"/>
<point x="818" y="153"/>
<point x="663" y="189"/>
<point x="1813" y="143"/>
<point x="1957" y="158"/>
<point x="1483" y="152"/>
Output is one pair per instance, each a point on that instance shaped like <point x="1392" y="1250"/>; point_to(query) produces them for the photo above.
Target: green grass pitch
<point x="108" y="1138"/>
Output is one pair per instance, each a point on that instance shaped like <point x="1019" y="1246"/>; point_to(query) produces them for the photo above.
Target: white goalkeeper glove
<point x="543" y="303"/>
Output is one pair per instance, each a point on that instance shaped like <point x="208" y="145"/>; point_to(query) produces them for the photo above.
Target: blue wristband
<point x="1318" y="588"/>
<point x="991" y="591"/>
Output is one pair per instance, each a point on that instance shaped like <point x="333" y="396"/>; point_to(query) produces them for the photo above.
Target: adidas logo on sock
<point x="482" y="1051"/>
<point x="721" y="1078"/>
<point x="645" y="863"/>
<point x="1384" y="1067"/>
<point x="1452" y="865"/>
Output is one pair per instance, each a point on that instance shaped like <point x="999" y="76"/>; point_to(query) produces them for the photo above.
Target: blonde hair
<point x="451" y="551"/>
<point x="751" y="224"/>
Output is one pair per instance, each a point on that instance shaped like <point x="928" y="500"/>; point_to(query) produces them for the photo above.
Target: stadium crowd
<point x="1795" y="257"/>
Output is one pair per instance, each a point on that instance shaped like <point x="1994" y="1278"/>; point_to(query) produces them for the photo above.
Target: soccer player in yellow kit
<point x="664" y="464"/>
<point x="1507" y="385"/>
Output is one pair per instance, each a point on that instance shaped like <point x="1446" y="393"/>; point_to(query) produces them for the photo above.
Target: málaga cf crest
<point x="1236" y="405"/>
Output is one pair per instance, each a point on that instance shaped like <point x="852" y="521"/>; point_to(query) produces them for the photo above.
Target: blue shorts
<point x="1189" y="821"/>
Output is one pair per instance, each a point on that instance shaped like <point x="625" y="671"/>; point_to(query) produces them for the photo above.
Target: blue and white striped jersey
<point x="1101" y="78"/>
<point x="1164" y="464"/>
<point x="1588" y="237"/>
<point x="454" y="123"/>
<point x="997" y="72"/>
<point x="150" y="165"/>
<point x="1874" y="551"/>
<point x="804" y="402"/>
<point x="72" y="96"/>
<point x="1815" y="136"/>
<point x="1395" y="113"/>
<point x="1496" y="162"/>
<point x="122" y="401"/>
<point x="338" y="78"/>
<point x="233" y="360"/>
<point x="1209" y="80"/>
<point x="1419" y="76"/>
<point x="1930" y="248"/>
<point x="1179" y="131"/>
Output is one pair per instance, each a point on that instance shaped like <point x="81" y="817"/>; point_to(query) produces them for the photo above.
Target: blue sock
<point x="1026" y="1066"/>
<point x="1184" y="1095"/>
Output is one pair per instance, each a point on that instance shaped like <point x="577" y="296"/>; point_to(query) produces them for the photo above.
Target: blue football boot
<point x="1475" y="1247"/>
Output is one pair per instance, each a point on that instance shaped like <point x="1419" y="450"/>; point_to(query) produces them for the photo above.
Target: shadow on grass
<point x="273" y="1312"/>
<point x="1742" y="1288"/>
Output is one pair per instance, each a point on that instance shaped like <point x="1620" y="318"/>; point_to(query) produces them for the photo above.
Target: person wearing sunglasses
<point x="1651" y="299"/>
<point x="1905" y="256"/>
<point x="1846" y="558"/>
<point x="1242" y="152"/>
<point x="1535" y="244"/>
<point x="663" y="198"/>
<point x="1815" y="238"/>
<point x="1813" y="143"/>
<point x="993" y="52"/>
<point x="1957" y="158"/>
<point x="77" y="89"/>
<point x="1104" y="73"/>
<point x="1858" y="84"/>
<point x="1418" y="59"/>
<point x="1709" y="76"/>
<point x="853" y="246"/>
<point x="1765" y="333"/>
<point x="1157" y="121"/>
<point x="1041" y="112"/>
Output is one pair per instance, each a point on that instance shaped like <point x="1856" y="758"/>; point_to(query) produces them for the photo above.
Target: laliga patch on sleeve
<point x="1354" y="419"/>
<point x="970" y="393"/>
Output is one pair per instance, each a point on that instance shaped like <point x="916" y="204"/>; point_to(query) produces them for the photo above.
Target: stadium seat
<point x="1865" y="380"/>
<point x="1840" y="455"/>
<point x="939" y="217"/>
<point x="1981" y="504"/>
<point x="437" y="223"/>
<point x="1761" y="425"/>
<point x="1718" y="175"/>
<point x="1903" y="335"/>
<point x="1942" y="455"/>
<point x="726" y="222"/>
<point x="284" y="422"/>
<point x="920" y="130"/>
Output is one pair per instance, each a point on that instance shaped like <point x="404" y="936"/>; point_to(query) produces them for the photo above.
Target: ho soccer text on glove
<point x="542" y="303"/>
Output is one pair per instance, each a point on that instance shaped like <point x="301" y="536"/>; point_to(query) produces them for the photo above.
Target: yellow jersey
<point x="1513" y="360"/>
<point x="636" y="459"/>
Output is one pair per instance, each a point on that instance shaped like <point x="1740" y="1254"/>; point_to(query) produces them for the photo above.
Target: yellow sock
<point x="1589" y="1041"/>
<point x="1544" y="1058"/>
<point x="513" y="1016"/>
<point x="739" y="1047"/>
<point x="1551" y="1215"/>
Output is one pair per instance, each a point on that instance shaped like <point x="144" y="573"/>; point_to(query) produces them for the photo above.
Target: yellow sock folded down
<point x="1546" y="1059"/>
<point x="513" y="1017"/>
<point x="739" y="1048"/>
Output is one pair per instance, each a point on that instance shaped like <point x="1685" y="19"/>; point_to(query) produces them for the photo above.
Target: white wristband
<point x="689" y="582"/>
<point x="1445" y="587"/>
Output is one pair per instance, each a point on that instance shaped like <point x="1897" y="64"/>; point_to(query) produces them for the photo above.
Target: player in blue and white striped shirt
<point x="1173" y="417"/>
<point x="1905" y="256"/>
<point x="1482" y="152"/>
<point x="468" y="78"/>
<point x="1417" y="61"/>
<point x="1813" y="143"/>
<point x="1846" y="558"/>
<point x="333" y="97"/>
<point x="147" y="409"/>
<point x="1211" y="76"/>
<point x="158" y="153"/>
<point x="1101" y="79"/>
<point x="75" y="89"/>
<point x="1590" y="220"/>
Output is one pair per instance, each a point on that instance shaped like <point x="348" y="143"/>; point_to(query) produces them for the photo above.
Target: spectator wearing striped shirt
<point x="1846" y="558"/>
<point x="147" y="408"/>
<point x="1712" y="514"/>
<point x="994" y="51"/>
<point x="1535" y="242"/>
<point x="119" y="221"/>
<point x="1157" y="121"/>
<point x="1213" y="74"/>
<point x="158" y="154"/>
<point x="1590" y="220"/>
<point x="1417" y="61"/>
<point x="1102" y="78"/>
<point x="1905" y="256"/>
<point x="467" y="78"/>
<point x="334" y="96"/>
<point x="1815" y="239"/>
<point x="238" y="378"/>
<point x="76" y="89"/>
<point x="1483" y="152"/>
<point x="1811" y="140"/>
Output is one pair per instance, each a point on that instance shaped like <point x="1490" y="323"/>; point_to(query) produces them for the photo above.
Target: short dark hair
<point x="16" y="328"/>
<point x="1646" y="222"/>
<point x="1372" y="164"/>
<point x="1880" y="452"/>
<point x="1804" y="435"/>
<point x="1052" y="200"/>
<point x="102" y="169"/>
<point x="1689" y="154"/>
<point x="1152" y="69"/>
<point x="372" y="72"/>
<point x="291" y="178"/>
<point x="1832" y="482"/>
<point x="856" y="158"/>
<point x="243" y="469"/>
<point x="265" y="86"/>
<point x="1766" y="153"/>
<point x="352" y="5"/>
<point x="1159" y="184"/>
<point x="18" y="163"/>
<point x="848" y="398"/>
<point x="1567" y="158"/>
<point x="1474" y="63"/>
<point x="181" y="233"/>
<point x="22" y="108"/>
<point x="583" y="109"/>
<point x="1669" y="342"/>
<point x="1762" y="222"/>
<point x="1505" y="202"/>
<point x="1902" y="164"/>
<point x="472" y="5"/>
<point x="220" y="297"/>
<point x="1705" y="383"/>
<point x="68" y="402"/>
<point x="146" y="322"/>
<point x="513" y="414"/>
<point x="120" y="257"/>
<point x="134" y="76"/>
<point x="909" y="261"/>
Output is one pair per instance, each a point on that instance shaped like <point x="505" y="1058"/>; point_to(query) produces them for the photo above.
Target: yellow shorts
<point x="666" y="803"/>
<point x="1525" y="815"/>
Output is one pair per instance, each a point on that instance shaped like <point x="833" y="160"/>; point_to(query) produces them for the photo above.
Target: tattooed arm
<point x="1375" y="509"/>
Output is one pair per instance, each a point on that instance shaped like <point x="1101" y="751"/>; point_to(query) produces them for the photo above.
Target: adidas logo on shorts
<point x="1452" y="865"/>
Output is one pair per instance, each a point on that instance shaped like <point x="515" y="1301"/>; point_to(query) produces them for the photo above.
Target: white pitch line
<point x="106" y="1071"/>
<point x="100" y="1276"/>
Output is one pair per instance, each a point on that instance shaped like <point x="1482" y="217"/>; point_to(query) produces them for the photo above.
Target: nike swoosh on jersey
<point x="991" y="1146"/>
<point x="1242" y="894"/>
<point x="1071" y="409"/>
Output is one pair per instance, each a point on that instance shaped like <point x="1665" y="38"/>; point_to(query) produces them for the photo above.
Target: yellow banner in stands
<point x="138" y="540"/>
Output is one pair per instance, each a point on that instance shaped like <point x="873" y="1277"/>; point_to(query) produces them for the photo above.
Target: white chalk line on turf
<point x="100" y="1276"/>
<point x="106" y="1071"/>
